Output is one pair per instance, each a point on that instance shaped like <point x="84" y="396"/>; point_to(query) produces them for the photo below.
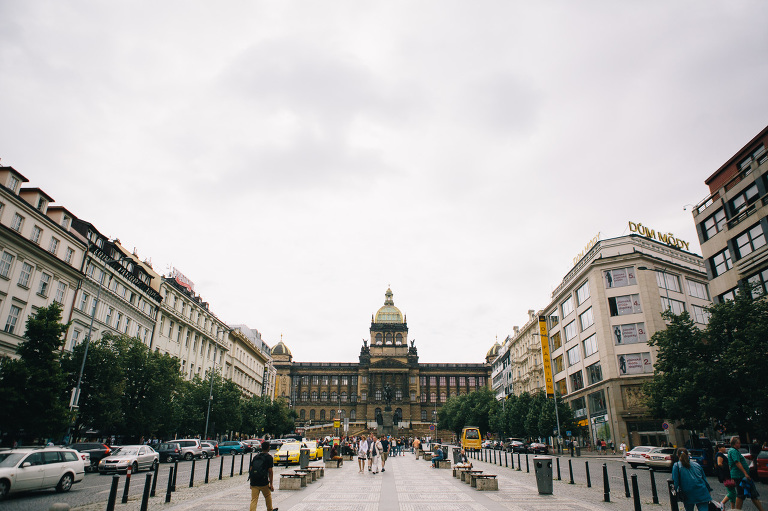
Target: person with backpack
<point x="261" y="477"/>
<point x="723" y="473"/>
<point x="691" y="482"/>
<point x="385" y="446"/>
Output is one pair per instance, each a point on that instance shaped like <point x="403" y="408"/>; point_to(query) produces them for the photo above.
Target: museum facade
<point x="321" y="392"/>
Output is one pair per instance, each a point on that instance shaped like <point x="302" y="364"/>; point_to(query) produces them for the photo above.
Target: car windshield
<point x="295" y="446"/>
<point x="166" y="446"/>
<point x="127" y="451"/>
<point x="9" y="459"/>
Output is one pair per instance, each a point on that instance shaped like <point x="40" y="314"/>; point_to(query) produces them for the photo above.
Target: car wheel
<point x="188" y="456"/>
<point x="154" y="465"/>
<point x="4" y="487"/>
<point x="233" y="452"/>
<point x="65" y="483"/>
<point x="204" y="455"/>
<point x="633" y="465"/>
<point x="134" y="468"/>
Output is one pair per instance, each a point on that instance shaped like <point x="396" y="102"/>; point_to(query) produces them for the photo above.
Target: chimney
<point x="516" y="329"/>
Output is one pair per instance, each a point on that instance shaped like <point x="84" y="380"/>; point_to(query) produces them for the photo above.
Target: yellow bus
<point x="471" y="440"/>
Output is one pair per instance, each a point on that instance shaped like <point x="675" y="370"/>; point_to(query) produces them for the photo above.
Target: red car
<point x="762" y="465"/>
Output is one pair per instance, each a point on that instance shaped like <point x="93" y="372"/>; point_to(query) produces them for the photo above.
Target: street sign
<point x="567" y="433"/>
<point x="431" y="427"/>
<point x="337" y="423"/>
<point x="664" y="426"/>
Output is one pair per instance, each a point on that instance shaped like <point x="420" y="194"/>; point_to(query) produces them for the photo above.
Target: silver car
<point x="208" y="450"/>
<point x="137" y="457"/>
<point x="31" y="468"/>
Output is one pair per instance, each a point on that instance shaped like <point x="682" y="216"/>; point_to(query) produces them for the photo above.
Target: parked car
<point x="762" y="465"/>
<point x="168" y="451"/>
<point x="661" y="458"/>
<point x="209" y="451"/>
<point x="96" y="451"/>
<point x="275" y="443"/>
<point x="252" y="445"/>
<point x="538" y="448"/>
<point x="33" y="468"/>
<point x="135" y="456"/>
<point x="517" y="446"/>
<point x="288" y="453"/>
<point x="701" y="457"/>
<point x="231" y="447"/>
<point x="314" y="451"/>
<point x="487" y="444"/>
<point x="638" y="455"/>
<point x="190" y="448"/>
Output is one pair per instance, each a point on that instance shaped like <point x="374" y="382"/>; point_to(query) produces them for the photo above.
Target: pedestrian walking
<point x="623" y="449"/>
<point x="723" y="472"/>
<point x="385" y="447"/>
<point x="261" y="478"/>
<point x="362" y="453"/>
<point x="376" y="449"/>
<point x="691" y="482"/>
<point x="745" y="486"/>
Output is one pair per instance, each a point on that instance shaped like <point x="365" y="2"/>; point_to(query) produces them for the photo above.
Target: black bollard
<point x="221" y="468"/>
<point x="232" y="470"/>
<point x="127" y="485"/>
<point x="207" y="469"/>
<point x="250" y="461"/>
<point x="494" y="456"/>
<point x="654" y="493"/>
<point x="626" y="481"/>
<point x="154" y="481"/>
<point x="636" y="493"/>
<point x="527" y="467"/>
<point x="570" y="469"/>
<point x="606" y="484"/>
<point x="113" y="493"/>
<point x="512" y="460"/>
<point x="506" y="461"/>
<point x="519" y="465"/>
<point x="192" y="474"/>
<point x="175" y="472"/>
<point x="558" y="470"/>
<point x="672" y="497"/>
<point x="589" y="479"/>
<point x="145" y="497"/>
<point x="170" y="486"/>
<point x="242" y="459"/>
<point x="485" y="455"/>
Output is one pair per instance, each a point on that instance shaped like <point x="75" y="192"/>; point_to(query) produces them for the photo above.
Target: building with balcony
<point x="40" y="259"/>
<point x="731" y="222"/>
<point x="600" y="319"/>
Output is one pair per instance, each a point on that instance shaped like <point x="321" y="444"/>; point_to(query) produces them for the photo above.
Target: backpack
<point x="259" y="472"/>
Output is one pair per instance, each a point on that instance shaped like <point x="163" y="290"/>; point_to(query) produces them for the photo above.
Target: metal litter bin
<point x="542" y="466"/>
<point x="303" y="457"/>
<point x="326" y="453"/>
<point x="456" y="455"/>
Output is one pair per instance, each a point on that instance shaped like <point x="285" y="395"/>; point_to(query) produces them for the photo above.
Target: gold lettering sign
<point x="667" y="238"/>
<point x="591" y="243"/>
<point x="545" y="355"/>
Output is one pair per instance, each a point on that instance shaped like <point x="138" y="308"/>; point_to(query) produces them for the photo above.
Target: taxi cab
<point x="288" y="453"/>
<point x="315" y="452"/>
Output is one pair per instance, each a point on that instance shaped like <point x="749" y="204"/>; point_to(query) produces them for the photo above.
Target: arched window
<point x="388" y="338"/>
<point x="442" y="397"/>
<point x="378" y="338"/>
<point x="314" y="396"/>
<point x="343" y="397"/>
<point x="341" y="414"/>
<point x="304" y="396"/>
<point x="322" y="415"/>
<point x="399" y="339"/>
<point x="352" y="415"/>
<point x="324" y="396"/>
<point x="399" y="395"/>
<point x="423" y="415"/>
<point x="333" y="396"/>
<point x="312" y="414"/>
<point x="378" y="394"/>
<point x="332" y="414"/>
<point x="432" y="397"/>
<point x="301" y="414"/>
<point x="423" y="397"/>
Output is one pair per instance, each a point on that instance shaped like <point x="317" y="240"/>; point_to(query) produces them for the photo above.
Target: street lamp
<point x="663" y="271"/>
<point x="210" y="393"/>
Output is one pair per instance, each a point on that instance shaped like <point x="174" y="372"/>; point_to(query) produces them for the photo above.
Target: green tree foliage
<point x="34" y="397"/>
<point x="531" y="416"/>
<point x="226" y="413"/>
<point x="473" y="409"/>
<point x="717" y="374"/>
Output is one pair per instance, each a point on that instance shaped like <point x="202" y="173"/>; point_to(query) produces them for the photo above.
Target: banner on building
<point x="182" y="280"/>
<point x="545" y="355"/>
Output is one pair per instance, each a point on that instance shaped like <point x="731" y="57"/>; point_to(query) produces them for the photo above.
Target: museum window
<point x="316" y="380"/>
<point x="472" y="381"/>
<point x="305" y="380"/>
<point x="345" y="380"/>
<point x="363" y="396"/>
<point x="423" y="415"/>
<point x="413" y="395"/>
<point x="365" y="379"/>
<point x="334" y="396"/>
<point x="377" y="395"/>
<point x="343" y="397"/>
<point x="353" y="398"/>
<point x="399" y="339"/>
<point x="594" y="373"/>
<point x="332" y="414"/>
<point x="577" y="381"/>
<point x="750" y="240"/>
<point x="443" y="397"/>
<point x="423" y="380"/>
<point x="379" y="339"/>
<point x="582" y="293"/>
<point x="423" y="397"/>
<point x="399" y="395"/>
<point x="352" y="415"/>
<point x="304" y="396"/>
<point x="462" y="381"/>
<point x="442" y="381"/>
<point x="302" y="414"/>
<point x="452" y="381"/>
<point x="334" y="380"/>
<point x="324" y="396"/>
<point x="314" y="396"/>
<point x="388" y="338"/>
<point x="322" y="415"/>
<point x="433" y="381"/>
<point x="312" y="414"/>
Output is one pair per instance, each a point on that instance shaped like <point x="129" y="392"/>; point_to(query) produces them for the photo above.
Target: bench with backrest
<point x="485" y="482"/>
<point x="290" y="481"/>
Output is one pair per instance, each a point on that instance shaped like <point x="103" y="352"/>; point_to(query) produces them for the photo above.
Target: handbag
<point x="715" y="506"/>
<point x="729" y="483"/>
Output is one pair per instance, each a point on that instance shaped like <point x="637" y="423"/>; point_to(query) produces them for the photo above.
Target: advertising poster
<point x="624" y="305"/>
<point x="635" y="363"/>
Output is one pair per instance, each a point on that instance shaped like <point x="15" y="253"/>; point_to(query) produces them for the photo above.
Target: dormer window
<point x="41" y="204"/>
<point x="13" y="184"/>
<point x="65" y="221"/>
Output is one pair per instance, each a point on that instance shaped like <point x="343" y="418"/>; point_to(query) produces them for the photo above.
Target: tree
<point x="473" y="409"/>
<point x="33" y="400"/>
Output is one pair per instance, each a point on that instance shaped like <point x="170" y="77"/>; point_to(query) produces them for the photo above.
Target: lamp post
<point x="210" y="393"/>
<point x="663" y="271"/>
<point x="75" y="404"/>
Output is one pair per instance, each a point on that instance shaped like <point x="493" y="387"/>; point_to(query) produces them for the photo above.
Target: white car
<point x="32" y="468"/>
<point x="638" y="455"/>
<point x="135" y="456"/>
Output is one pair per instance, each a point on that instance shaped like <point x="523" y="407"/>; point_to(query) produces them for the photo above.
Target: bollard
<point x="512" y="459"/>
<point x="570" y="469"/>
<point x="558" y="470"/>
<point x="519" y="465"/>
<point x="207" y="469"/>
<point x="232" y="470"/>
<point x="221" y="468"/>
<point x="636" y="493"/>
<point x="672" y="497"/>
<point x="175" y="472"/>
<point x="113" y="493"/>
<point x="626" y="481"/>
<point x="485" y="454"/>
<point x="494" y="456"/>
<point x="127" y="485"/>
<point x="589" y="479"/>
<point x="506" y="461"/>
<point x="154" y="481"/>
<point x="654" y="493"/>
<point x="170" y="485"/>
<point x="527" y="467"/>
<point x="606" y="484"/>
<point x="145" y="497"/>
<point x="192" y="474"/>
<point x="242" y="459"/>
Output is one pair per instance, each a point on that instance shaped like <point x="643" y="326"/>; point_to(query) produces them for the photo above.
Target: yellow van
<point x="471" y="439"/>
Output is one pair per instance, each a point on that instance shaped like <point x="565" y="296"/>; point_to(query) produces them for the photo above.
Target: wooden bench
<point x="444" y="464"/>
<point x="485" y="482"/>
<point x="332" y="463"/>
<point x="319" y="471"/>
<point x="290" y="481"/>
<point x="466" y="473"/>
<point x="306" y="475"/>
<point x="458" y="469"/>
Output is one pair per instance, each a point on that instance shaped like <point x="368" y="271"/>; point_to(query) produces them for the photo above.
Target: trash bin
<point x="456" y="455"/>
<point x="303" y="457"/>
<point x="578" y="450"/>
<point x="326" y="453"/>
<point x="542" y="466"/>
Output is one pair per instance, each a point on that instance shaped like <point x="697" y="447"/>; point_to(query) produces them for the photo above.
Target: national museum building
<point x="320" y="392"/>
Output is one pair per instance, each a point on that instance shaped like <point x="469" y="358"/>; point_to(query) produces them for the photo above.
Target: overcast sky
<point x="293" y="159"/>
